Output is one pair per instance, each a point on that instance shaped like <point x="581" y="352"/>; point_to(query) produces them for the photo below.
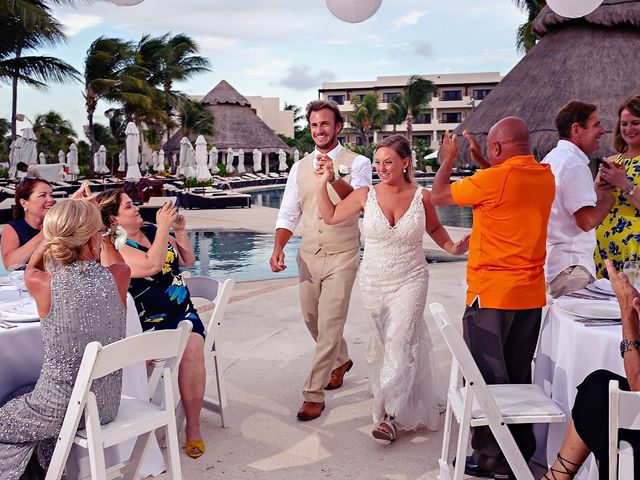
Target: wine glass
<point x="16" y="275"/>
<point x="632" y="271"/>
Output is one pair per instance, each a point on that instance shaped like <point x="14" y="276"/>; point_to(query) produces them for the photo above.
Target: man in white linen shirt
<point x="329" y="254"/>
<point x="579" y="205"/>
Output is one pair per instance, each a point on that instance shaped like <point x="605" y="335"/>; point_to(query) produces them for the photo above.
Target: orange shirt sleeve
<point x="482" y="188"/>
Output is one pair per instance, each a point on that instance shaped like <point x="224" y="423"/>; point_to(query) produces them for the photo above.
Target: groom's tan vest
<point x="316" y="235"/>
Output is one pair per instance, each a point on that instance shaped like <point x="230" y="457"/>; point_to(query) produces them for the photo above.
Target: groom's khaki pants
<point x="326" y="281"/>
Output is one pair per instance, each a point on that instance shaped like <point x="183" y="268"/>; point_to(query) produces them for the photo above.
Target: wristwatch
<point x="336" y="177"/>
<point x="630" y="190"/>
<point x="626" y="345"/>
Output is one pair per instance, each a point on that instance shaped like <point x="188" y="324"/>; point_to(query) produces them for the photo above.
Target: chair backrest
<point x="477" y="387"/>
<point x="219" y="293"/>
<point x="99" y="361"/>
<point x="624" y="412"/>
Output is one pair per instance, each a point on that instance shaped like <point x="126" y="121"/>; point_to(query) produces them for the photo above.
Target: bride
<point x="394" y="278"/>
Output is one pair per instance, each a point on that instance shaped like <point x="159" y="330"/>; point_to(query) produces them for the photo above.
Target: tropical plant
<point x="366" y="117"/>
<point x="525" y="39"/>
<point x="298" y="117"/>
<point x="168" y="59"/>
<point x="54" y="133"/>
<point x="105" y="65"/>
<point x="396" y="111"/>
<point x="195" y="118"/>
<point x="416" y="97"/>
<point x="19" y="35"/>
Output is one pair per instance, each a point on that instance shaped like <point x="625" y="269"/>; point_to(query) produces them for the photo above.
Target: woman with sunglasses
<point x="22" y="236"/>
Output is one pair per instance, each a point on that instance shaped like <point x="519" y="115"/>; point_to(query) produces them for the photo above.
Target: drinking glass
<point x="16" y="275"/>
<point x="632" y="271"/>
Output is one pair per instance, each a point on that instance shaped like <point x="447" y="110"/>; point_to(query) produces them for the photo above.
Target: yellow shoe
<point x="194" y="448"/>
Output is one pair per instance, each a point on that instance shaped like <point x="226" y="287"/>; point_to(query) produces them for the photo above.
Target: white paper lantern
<point x="126" y="3"/>
<point x="353" y="11"/>
<point x="573" y="8"/>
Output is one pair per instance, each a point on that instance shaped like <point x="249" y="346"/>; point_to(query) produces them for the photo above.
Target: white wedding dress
<point x="394" y="277"/>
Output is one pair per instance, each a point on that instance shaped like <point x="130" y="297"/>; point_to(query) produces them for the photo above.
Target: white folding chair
<point x="218" y="293"/>
<point x="624" y="412"/>
<point x="476" y="404"/>
<point x="135" y="418"/>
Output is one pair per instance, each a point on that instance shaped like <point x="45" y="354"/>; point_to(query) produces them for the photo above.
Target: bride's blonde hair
<point x="67" y="228"/>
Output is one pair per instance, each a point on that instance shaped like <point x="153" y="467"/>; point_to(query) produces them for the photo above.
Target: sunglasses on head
<point x="28" y="178"/>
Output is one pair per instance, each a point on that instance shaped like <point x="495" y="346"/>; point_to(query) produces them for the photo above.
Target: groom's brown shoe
<point x="310" y="410"/>
<point x="337" y="376"/>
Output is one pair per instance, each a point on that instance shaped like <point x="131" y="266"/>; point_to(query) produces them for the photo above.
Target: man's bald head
<point x="508" y="138"/>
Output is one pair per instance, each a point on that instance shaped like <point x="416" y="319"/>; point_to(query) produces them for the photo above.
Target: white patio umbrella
<point x="62" y="158"/>
<point x="121" y="161"/>
<point x="132" y="144"/>
<point x="72" y="159"/>
<point x="191" y="171"/>
<point x="213" y="160"/>
<point x="28" y="147"/>
<point x="296" y="155"/>
<point x="229" y="160"/>
<point x="431" y="155"/>
<point x="414" y="159"/>
<point x="241" y="168"/>
<point x="96" y="162"/>
<point x="154" y="161"/>
<point x="257" y="160"/>
<point x="160" y="161"/>
<point x="282" y="161"/>
<point x="102" y="160"/>
<point x="14" y="156"/>
<point x="144" y="165"/>
<point x="42" y="159"/>
<point x="202" y="170"/>
<point x="183" y="156"/>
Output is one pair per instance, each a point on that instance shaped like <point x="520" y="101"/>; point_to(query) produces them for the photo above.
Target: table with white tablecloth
<point x="568" y="351"/>
<point x="21" y="356"/>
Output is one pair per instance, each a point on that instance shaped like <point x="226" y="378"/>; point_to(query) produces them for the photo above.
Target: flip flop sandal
<point x="386" y="430"/>
<point x="194" y="448"/>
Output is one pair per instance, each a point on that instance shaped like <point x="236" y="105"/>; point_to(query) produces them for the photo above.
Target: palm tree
<point x="396" y="111"/>
<point x="298" y="116"/>
<point x="415" y="98"/>
<point x="166" y="60"/>
<point x="104" y="67"/>
<point x="525" y="39"/>
<point x="16" y="38"/>
<point x="195" y="119"/>
<point x="53" y="132"/>
<point x="366" y="118"/>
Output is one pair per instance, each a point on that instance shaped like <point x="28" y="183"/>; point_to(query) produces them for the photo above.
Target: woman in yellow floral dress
<point x="619" y="234"/>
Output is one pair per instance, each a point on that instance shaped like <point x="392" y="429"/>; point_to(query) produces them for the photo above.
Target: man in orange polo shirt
<point x="511" y="199"/>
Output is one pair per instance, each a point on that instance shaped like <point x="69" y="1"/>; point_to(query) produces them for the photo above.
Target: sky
<point x="286" y="48"/>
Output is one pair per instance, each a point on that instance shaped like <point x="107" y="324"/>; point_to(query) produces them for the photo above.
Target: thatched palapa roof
<point x="593" y="59"/>
<point x="236" y="126"/>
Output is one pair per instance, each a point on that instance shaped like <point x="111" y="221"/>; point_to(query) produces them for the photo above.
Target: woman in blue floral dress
<point x="161" y="296"/>
<point x="619" y="234"/>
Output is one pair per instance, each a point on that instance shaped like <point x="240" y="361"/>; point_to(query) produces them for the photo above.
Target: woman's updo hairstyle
<point x="109" y="204"/>
<point x="67" y="229"/>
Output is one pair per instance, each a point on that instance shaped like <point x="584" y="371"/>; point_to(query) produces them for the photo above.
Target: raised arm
<point x="441" y="189"/>
<point x="436" y="230"/>
<point x="346" y="208"/>
<point x="185" y="249"/>
<point x="474" y="148"/>
<point x="12" y="252"/>
<point x="145" y="264"/>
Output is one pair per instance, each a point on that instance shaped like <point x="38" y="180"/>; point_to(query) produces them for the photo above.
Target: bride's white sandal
<point x="385" y="430"/>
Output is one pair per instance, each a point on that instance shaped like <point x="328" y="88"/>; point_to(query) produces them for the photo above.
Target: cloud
<point x="408" y="19"/>
<point x="335" y="41"/>
<point x="74" y="23"/>
<point x="424" y="49"/>
<point x="300" y="77"/>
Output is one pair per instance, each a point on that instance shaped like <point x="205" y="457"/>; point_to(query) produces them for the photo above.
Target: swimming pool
<point x="452" y="216"/>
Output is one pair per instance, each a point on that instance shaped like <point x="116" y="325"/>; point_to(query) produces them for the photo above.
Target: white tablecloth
<point x="21" y="356"/>
<point x="567" y="352"/>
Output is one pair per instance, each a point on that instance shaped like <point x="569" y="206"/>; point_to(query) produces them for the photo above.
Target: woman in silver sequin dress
<point x="79" y="301"/>
<point x="394" y="277"/>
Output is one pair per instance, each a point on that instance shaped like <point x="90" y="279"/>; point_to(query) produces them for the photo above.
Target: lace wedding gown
<point x="394" y="278"/>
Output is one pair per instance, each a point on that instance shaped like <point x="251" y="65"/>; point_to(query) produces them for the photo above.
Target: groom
<point x="329" y="254"/>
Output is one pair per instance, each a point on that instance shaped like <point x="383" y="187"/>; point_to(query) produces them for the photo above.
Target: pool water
<point x="239" y="254"/>
<point x="452" y="216"/>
